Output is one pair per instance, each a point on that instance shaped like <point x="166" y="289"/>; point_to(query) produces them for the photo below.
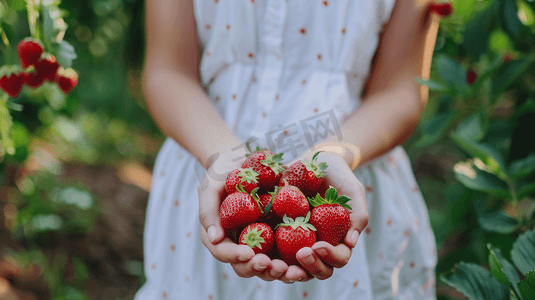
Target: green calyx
<point x="240" y="189"/>
<point x="8" y="70"/>
<point x="298" y="222"/>
<point x="248" y="175"/>
<point x="331" y="197"/>
<point x="274" y="162"/>
<point x="314" y="167"/>
<point x="253" y="238"/>
<point x="247" y="145"/>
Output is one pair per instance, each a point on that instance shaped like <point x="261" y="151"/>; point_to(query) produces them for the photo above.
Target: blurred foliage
<point x="482" y="103"/>
<point x="104" y="121"/>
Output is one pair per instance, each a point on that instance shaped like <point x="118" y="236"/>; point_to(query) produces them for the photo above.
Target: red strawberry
<point x="11" y="80"/>
<point x="267" y="165"/>
<point x="29" y="51"/>
<point x="330" y="216"/>
<point x="292" y="235"/>
<point x="290" y="201"/>
<point x="239" y="209"/>
<point x="269" y="217"/>
<point x="244" y="177"/>
<point x="507" y="57"/>
<point x="258" y="236"/>
<point x="444" y="9"/>
<point x="33" y="79"/>
<point x="66" y="80"/>
<point x="47" y="67"/>
<point x="471" y="76"/>
<point x="306" y="175"/>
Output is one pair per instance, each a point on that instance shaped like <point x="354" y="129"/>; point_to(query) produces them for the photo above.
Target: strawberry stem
<point x="331" y="197"/>
<point x="298" y="222"/>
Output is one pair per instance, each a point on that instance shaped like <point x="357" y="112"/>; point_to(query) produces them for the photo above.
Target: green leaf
<point x="48" y="26"/>
<point x="6" y="122"/>
<point x="522" y="167"/>
<point x="17" y="5"/>
<point x="476" y="33"/>
<point x="497" y="221"/>
<point x="432" y="85"/>
<point x="476" y="283"/>
<point x="331" y="194"/>
<point x="525" y="188"/>
<point x="472" y="128"/>
<point x="523" y="250"/>
<point x="527" y="286"/>
<point x="452" y="73"/>
<point x="486" y="153"/>
<point x="509" y="18"/>
<point x="503" y="270"/>
<point x="479" y="180"/>
<point x="435" y="128"/>
<point x="64" y="53"/>
<point x="508" y="74"/>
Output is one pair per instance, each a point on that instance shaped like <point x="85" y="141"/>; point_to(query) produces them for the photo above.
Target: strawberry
<point x="11" y="80"/>
<point x="292" y="235"/>
<point x="306" y="175"/>
<point x="330" y="216"/>
<point x="29" y="51"/>
<point x="444" y="9"/>
<point x="290" y="201"/>
<point x="471" y="76"/>
<point x="244" y="177"/>
<point x="66" y="80"/>
<point x="239" y="209"/>
<point x="267" y="165"/>
<point x="258" y="236"/>
<point x="32" y="78"/>
<point x="47" y="67"/>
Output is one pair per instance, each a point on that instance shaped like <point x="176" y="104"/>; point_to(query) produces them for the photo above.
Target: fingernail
<point x="212" y="233"/>
<point x="321" y="252"/>
<point x="244" y="257"/>
<point x="354" y="238"/>
<point x="300" y="279"/>
<point x="291" y="281"/>
<point x="258" y="267"/>
<point x="308" y="260"/>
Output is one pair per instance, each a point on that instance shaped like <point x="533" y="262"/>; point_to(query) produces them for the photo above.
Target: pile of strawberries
<point x="267" y="208"/>
<point x="36" y="67"/>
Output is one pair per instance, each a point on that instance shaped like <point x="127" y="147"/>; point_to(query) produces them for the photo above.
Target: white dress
<point x="284" y="74"/>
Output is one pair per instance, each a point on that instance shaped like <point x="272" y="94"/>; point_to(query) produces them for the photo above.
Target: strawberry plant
<point x="482" y="103"/>
<point x="39" y="59"/>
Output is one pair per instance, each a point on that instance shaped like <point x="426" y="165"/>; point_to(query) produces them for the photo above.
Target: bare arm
<point x="394" y="100"/>
<point x="171" y="81"/>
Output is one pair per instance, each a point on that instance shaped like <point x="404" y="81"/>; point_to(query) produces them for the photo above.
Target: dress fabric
<point x="271" y="67"/>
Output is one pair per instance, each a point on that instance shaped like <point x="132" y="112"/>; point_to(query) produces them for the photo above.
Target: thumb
<point x="209" y="200"/>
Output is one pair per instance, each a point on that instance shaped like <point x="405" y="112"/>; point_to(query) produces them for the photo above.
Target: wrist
<point x="348" y="152"/>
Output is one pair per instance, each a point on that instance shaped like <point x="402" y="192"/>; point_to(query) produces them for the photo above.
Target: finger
<point x="311" y="263"/>
<point x="358" y="217"/>
<point x="254" y="267"/>
<point x="275" y="271"/>
<point x="293" y="274"/>
<point x="209" y="201"/>
<point x="227" y="251"/>
<point x="334" y="256"/>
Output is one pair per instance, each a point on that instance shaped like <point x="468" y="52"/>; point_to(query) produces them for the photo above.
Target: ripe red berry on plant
<point x="444" y="9"/>
<point x="29" y="51"/>
<point x="11" y="80"/>
<point x="330" y="216"/>
<point x="471" y="77"/>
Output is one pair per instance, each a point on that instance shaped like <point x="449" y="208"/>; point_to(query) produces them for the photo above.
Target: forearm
<point x="184" y="112"/>
<point x="383" y="121"/>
